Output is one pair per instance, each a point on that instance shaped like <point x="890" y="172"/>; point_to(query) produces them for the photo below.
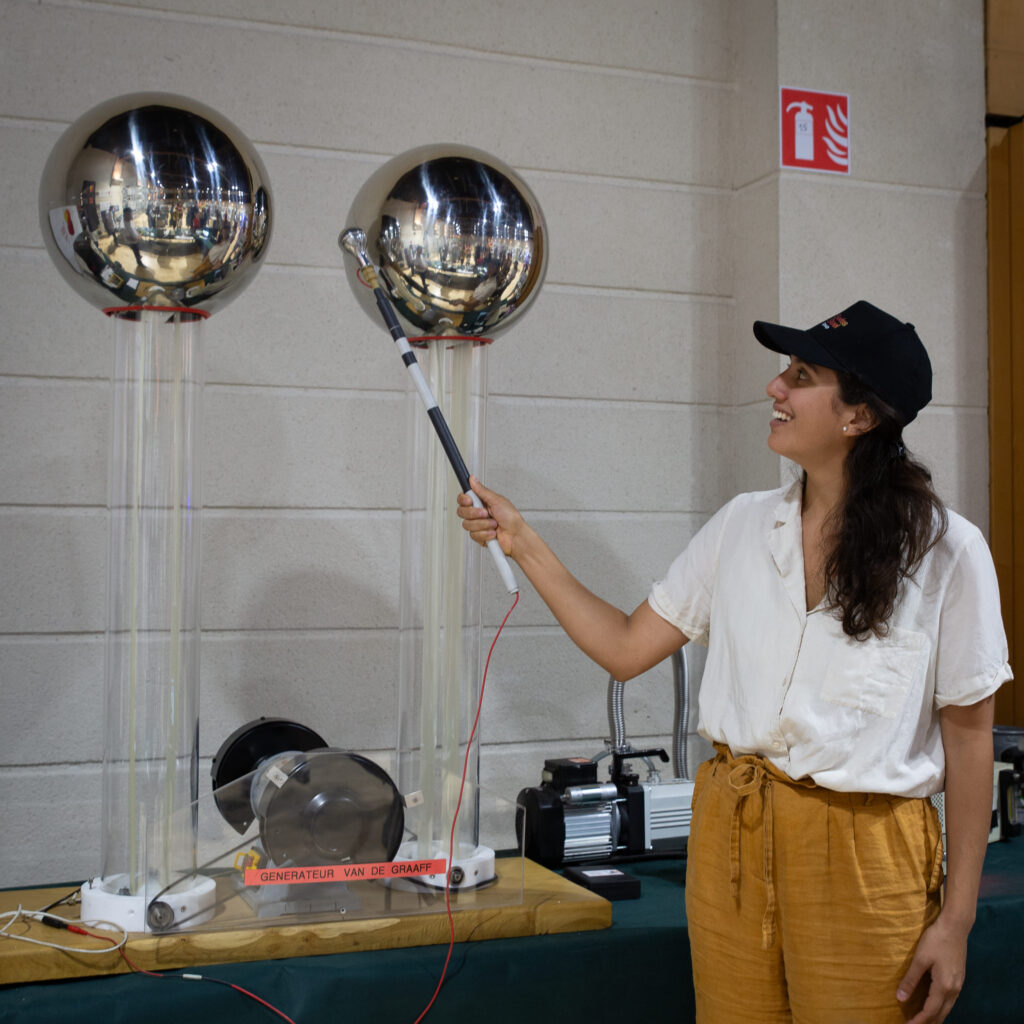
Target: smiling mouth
<point x="782" y="417"/>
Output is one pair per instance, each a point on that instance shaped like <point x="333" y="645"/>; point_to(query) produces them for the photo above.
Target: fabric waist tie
<point x="748" y="774"/>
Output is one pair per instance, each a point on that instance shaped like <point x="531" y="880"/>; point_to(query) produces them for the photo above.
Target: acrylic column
<point x="150" y="768"/>
<point x="440" y="620"/>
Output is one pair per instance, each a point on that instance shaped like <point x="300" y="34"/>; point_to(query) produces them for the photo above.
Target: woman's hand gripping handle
<point x="489" y="518"/>
<point x="492" y="545"/>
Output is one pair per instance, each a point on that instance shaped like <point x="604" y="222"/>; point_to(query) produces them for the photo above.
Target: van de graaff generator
<point x="156" y="209"/>
<point x="461" y="246"/>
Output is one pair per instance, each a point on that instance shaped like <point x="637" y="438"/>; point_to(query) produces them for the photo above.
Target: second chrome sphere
<point x="459" y="238"/>
<point x="154" y="199"/>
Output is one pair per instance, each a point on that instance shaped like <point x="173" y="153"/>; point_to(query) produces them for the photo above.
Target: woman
<point x="131" y="236"/>
<point x="854" y="645"/>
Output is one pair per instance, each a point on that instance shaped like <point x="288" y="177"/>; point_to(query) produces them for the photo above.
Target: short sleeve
<point x="683" y="597"/>
<point x="971" y="652"/>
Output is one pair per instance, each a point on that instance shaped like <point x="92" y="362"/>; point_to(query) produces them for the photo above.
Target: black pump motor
<point x="572" y="817"/>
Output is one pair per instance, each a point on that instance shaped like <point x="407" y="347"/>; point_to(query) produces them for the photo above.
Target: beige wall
<point x="626" y="405"/>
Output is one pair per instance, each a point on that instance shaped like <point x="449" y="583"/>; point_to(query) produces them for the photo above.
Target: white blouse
<point x="790" y="685"/>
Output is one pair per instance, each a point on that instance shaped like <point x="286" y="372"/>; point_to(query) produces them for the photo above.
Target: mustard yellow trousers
<point x="805" y="905"/>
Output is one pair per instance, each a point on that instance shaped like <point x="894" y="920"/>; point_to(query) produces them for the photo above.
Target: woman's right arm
<point x="623" y="645"/>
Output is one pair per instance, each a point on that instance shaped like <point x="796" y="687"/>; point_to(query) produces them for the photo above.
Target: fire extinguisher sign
<point x="814" y="130"/>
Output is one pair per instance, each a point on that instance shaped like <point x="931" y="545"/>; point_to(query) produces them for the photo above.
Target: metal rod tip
<point x="353" y="239"/>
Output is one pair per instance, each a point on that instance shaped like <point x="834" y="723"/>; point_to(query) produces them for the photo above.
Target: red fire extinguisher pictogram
<point x="814" y="130"/>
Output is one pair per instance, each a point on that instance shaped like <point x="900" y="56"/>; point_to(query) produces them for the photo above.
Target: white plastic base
<point x="191" y="903"/>
<point x="471" y="867"/>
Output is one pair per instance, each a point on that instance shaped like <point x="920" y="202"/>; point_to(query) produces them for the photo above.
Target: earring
<point x="844" y="430"/>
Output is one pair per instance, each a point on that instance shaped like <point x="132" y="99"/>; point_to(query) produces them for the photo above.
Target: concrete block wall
<point x="907" y="228"/>
<point x="625" y="406"/>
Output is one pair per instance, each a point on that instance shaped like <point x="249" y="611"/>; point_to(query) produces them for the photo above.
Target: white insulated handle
<point x="500" y="561"/>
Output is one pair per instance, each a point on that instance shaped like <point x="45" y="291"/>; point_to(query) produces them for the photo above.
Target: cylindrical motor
<point x="582" y="796"/>
<point x="570" y="816"/>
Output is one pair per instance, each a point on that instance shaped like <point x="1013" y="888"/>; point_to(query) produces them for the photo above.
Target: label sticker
<point x="345" y="872"/>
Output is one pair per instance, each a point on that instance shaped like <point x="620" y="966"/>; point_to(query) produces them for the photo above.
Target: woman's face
<point x="808" y="416"/>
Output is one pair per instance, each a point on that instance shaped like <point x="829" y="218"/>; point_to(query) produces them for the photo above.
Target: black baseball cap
<point x="884" y="352"/>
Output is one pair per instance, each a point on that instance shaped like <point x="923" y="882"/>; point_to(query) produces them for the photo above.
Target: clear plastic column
<point x="440" y="617"/>
<point x="151" y="750"/>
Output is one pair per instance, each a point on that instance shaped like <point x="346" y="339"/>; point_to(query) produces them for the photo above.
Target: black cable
<point x="63" y="899"/>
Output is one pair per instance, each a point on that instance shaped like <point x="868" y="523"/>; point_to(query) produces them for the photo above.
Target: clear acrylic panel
<point x="305" y="837"/>
<point x="440" y="617"/>
<point x="151" y="754"/>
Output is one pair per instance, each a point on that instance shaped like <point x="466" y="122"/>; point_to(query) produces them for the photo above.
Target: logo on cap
<point x="835" y="321"/>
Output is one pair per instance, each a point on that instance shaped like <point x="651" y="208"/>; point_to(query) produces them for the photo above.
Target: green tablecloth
<point x="637" y="970"/>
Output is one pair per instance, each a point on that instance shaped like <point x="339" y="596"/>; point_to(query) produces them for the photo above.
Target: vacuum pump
<point x="572" y="817"/>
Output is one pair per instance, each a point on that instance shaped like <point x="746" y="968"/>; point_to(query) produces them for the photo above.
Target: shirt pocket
<point x="875" y="675"/>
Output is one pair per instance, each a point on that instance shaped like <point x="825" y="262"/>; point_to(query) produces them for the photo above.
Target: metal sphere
<point x="155" y="200"/>
<point x="458" y="236"/>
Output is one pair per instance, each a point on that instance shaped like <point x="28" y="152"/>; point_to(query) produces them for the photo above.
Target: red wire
<point x="140" y="970"/>
<point x="81" y="931"/>
<point x="455" y="817"/>
<point x="252" y="995"/>
<point x="201" y="977"/>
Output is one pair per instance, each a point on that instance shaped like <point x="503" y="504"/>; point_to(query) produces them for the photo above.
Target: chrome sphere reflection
<point x="153" y="199"/>
<point x="459" y="238"/>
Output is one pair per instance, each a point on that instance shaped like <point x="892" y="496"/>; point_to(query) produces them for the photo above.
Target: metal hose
<point x="681" y="720"/>
<point x="681" y="724"/>
<point x="616" y="718"/>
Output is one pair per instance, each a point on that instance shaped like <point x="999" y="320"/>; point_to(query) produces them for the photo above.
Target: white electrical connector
<point x="56" y="921"/>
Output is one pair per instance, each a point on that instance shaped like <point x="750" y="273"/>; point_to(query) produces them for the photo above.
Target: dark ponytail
<point x="889" y="520"/>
